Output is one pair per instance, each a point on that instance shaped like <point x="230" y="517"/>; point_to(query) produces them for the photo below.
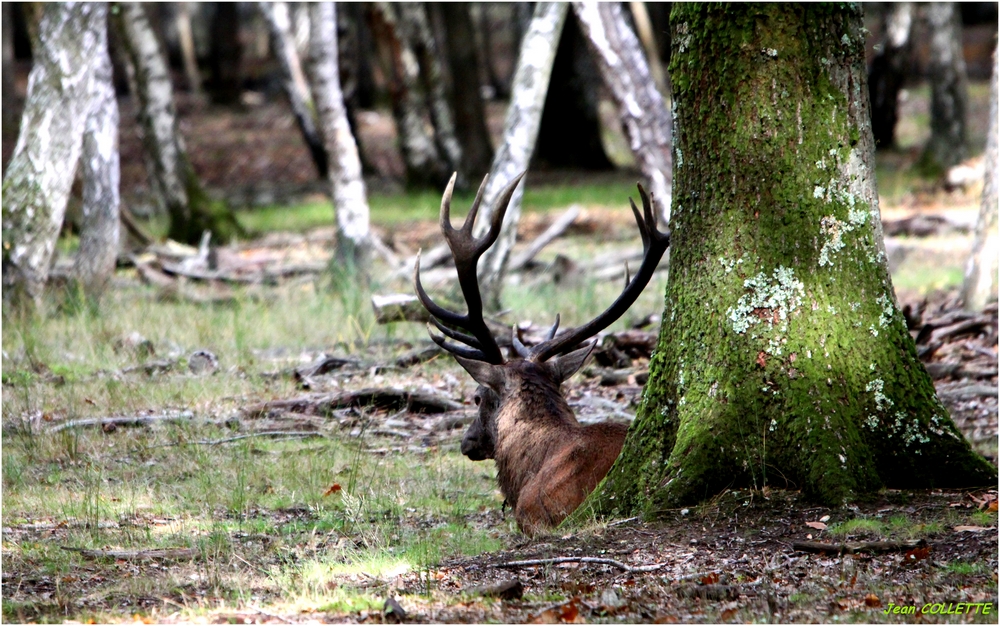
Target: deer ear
<point x="562" y="367"/>
<point x="483" y="373"/>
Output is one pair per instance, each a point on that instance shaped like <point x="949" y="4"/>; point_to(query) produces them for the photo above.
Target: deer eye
<point x="477" y="399"/>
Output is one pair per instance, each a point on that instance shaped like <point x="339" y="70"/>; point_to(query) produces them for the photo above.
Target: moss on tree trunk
<point x="783" y="357"/>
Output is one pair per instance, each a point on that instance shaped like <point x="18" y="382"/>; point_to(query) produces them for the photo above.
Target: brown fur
<point x="547" y="462"/>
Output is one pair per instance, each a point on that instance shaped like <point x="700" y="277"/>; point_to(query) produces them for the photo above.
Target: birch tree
<point x="641" y="106"/>
<point x="347" y="188"/>
<point x="279" y="23"/>
<point x="980" y="285"/>
<point x="520" y="131"/>
<point x="783" y="358"/>
<point x="887" y="73"/>
<point x="172" y="178"/>
<point x="70" y="110"/>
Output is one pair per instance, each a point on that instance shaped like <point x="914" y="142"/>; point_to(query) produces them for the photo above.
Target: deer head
<point x="552" y="361"/>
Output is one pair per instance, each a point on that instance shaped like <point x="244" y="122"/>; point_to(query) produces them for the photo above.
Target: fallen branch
<point x="556" y="229"/>
<point x="294" y="434"/>
<point x="584" y="559"/>
<point x="132" y="420"/>
<point x="386" y="399"/>
<point x="969" y="392"/>
<point x="820" y="547"/>
<point x="324" y="365"/>
<point x="136" y="555"/>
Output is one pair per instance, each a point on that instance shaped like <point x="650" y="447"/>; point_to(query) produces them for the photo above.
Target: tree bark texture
<point x="95" y="259"/>
<point x="424" y="164"/>
<point x="980" y="285"/>
<point x="570" y="132"/>
<point x="783" y="357"/>
<point x="171" y="176"/>
<point x="59" y="111"/>
<point x="347" y="188"/>
<point x="279" y="22"/>
<point x="885" y="79"/>
<point x="413" y="18"/>
<point x="641" y="106"/>
<point x="949" y="89"/>
<point x="466" y="94"/>
<point x="520" y="131"/>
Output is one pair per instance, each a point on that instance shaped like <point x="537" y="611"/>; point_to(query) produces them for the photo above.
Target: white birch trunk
<point x="162" y="143"/>
<point x="980" y="284"/>
<point x="347" y="188"/>
<point x="524" y="115"/>
<point x="99" y="230"/>
<point x="641" y="107"/>
<point x="279" y="22"/>
<point x="72" y="37"/>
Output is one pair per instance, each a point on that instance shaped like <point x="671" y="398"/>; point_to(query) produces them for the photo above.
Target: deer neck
<point x="533" y="421"/>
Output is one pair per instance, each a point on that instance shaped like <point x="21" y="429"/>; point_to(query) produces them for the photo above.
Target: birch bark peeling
<point x="520" y="130"/>
<point x="40" y="175"/>
<point x="641" y="106"/>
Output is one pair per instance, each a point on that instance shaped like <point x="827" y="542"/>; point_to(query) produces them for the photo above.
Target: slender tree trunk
<point x="279" y="22"/>
<point x="888" y="71"/>
<point x="981" y="268"/>
<point x="72" y="38"/>
<point x="524" y="114"/>
<point x="949" y="89"/>
<point x="644" y="28"/>
<point x="570" y="132"/>
<point x="466" y="94"/>
<point x="100" y="225"/>
<point x="424" y="165"/>
<point x="188" y="53"/>
<point x="172" y="179"/>
<point x="347" y="189"/>
<point x="354" y="51"/>
<point x="783" y="357"/>
<point x="9" y="91"/>
<point x="640" y="105"/>
<point x="418" y="31"/>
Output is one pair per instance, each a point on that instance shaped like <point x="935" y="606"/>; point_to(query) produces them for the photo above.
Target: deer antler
<point x="466" y="250"/>
<point x="654" y="244"/>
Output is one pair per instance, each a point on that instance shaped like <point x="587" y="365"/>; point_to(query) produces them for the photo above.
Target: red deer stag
<point x="547" y="462"/>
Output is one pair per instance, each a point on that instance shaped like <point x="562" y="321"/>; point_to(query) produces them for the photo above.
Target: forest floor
<point x="144" y="480"/>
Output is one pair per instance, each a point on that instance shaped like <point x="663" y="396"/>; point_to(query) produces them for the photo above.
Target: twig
<point x="851" y="548"/>
<point x="584" y="559"/>
<point x="132" y="420"/>
<point x="623" y="521"/>
<point x="264" y="433"/>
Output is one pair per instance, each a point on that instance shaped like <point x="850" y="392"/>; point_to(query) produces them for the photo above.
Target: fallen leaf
<point x="566" y="613"/>
<point x="762" y="359"/>
<point x="972" y="529"/>
<point x="816" y="525"/>
<point x="710" y="579"/>
<point x="334" y="488"/>
<point x="872" y="600"/>
<point x="727" y="614"/>
<point x="918" y="554"/>
<point x="825" y="519"/>
<point x="992" y="508"/>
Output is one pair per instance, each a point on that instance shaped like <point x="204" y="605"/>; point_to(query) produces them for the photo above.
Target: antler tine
<point x="468" y="340"/>
<point x="469" y="353"/>
<point x="552" y="331"/>
<point x="521" y="350"/>
<point x="433" y="307"/>
<point x="655" y="243"/>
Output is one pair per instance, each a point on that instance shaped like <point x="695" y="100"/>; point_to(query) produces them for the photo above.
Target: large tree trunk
<point x="424" y="165"/>
<point x="980" y="284"/>
<point x="418" y="31"/>
<point x="296" y="89"/>
<point x="72" y="41"/>
<point x="641" y="107"/>
<point x="888" y="71"/>
<point x="783" y="358"/>
<point x="347" y="189"/>
<point x="949" y="89"/>
<point x="100" y="225"/>
<point x="466" y="94"/>
<point x="570" y="133"/>
<point x="520" y="130"/>
<point x="172" y="179"/>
